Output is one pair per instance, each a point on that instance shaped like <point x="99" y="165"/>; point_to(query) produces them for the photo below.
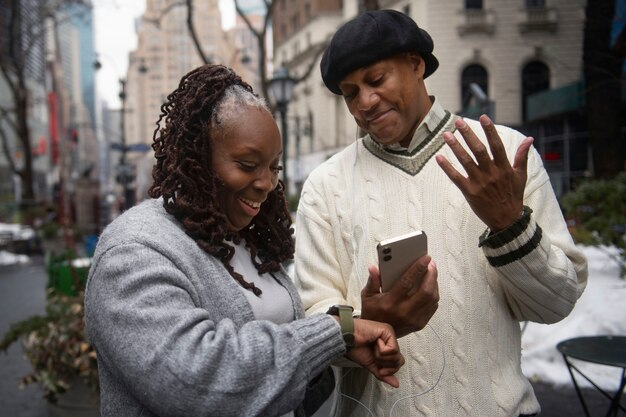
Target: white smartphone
<point x="395" y="255"/>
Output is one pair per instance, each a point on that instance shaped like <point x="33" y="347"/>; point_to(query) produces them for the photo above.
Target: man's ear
<point x="417" y="62"/>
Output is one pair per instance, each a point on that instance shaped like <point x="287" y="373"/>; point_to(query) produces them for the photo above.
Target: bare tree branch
<point x="190" y="25"/>
<point x="6" y="150"/>
<point x="5" y="115"/>
<point x="319" y="49"/>
<point x="260" y="38"/>
<point x="25" y="29"/>
<point x="157" y="21"/>
<point x="37" y="32"/>
<point x="9" y="79"/>
<point x="194" y="35"/>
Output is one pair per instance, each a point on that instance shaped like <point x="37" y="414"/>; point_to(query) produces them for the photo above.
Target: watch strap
<point x="346" y="322"/>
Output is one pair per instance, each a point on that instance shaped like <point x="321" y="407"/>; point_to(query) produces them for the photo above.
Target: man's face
<point x="388" y="98"/>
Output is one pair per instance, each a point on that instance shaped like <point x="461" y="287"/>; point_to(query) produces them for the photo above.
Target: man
<point x="483" y="198"/>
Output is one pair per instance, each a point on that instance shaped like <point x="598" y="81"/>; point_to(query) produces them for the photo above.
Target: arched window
<point x="535" y="4"/>
<point x="535" y="78"/>
<point x="473" y="73"/>
<point x="474" y="4"/>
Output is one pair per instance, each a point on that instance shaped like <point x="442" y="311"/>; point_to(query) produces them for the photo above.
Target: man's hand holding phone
<point x="411" y="301"/>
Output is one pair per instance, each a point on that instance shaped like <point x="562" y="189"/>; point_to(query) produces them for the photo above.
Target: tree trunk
<point x="602" y="72"/>
<point x="26" y="173"/>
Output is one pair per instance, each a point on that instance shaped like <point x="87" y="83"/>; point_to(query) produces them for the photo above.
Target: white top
<point x="274" y="304"/>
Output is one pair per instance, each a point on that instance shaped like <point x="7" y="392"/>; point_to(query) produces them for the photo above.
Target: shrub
<point x="56" y="345"/>
<point x="596" y="209"/>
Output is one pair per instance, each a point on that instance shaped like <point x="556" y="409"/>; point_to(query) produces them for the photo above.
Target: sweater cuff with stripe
<point x="512" y="243"/>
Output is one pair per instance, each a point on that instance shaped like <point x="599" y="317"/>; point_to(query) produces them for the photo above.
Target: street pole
<point x="298" y="173"/>
<point x="124" y="170"/>
<point x="282" y="109"/>
<point x="129" y="193"/>
<point x="281" y="88"/>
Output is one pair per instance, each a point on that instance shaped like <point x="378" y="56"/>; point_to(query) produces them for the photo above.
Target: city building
<point x="27" y="66"/>
<point x="47" y="107"/>
<point x="494" y="55"/>
<point x="245" y="56"/>
<point x="165" y="52"/>
<point x="81" y="149"/>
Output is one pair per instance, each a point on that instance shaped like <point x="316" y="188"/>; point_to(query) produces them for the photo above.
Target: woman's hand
<point x="376" y="348"/>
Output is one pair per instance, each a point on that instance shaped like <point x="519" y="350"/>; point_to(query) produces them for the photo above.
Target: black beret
<point x="370" y="37"/>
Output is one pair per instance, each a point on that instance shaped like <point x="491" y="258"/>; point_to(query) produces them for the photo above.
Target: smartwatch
<point x="346" y="321"/>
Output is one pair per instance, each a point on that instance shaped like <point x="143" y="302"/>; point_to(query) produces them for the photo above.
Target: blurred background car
<point x="19" y="239"/>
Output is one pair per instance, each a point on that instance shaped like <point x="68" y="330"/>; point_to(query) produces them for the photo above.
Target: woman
<point x="187" y="304"/>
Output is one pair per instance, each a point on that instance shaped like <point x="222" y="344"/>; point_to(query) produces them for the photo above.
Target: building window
<point x="474" y="4"/>
<point x="473" y="73"/>
<point x="535" y="4"/>
<point x="535" y="78"/>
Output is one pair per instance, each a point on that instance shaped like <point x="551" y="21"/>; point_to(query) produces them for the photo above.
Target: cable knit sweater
<point x="175" y="335"/>
<point x="466" y="362"/>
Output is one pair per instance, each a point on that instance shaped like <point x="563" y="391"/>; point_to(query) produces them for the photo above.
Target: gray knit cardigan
<point x="175" y="336"/>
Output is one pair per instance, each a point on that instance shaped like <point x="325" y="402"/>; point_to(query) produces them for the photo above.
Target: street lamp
<point x="281" y="88"/>
<point x="125" y="170"/>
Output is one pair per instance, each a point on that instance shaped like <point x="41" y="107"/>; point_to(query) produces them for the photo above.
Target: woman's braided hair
<point x="194" y="115"/>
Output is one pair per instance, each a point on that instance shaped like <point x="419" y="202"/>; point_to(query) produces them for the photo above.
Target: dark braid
<point x="184" y="177"/>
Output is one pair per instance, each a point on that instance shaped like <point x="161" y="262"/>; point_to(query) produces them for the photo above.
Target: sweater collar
<point x="412" y="162"/>
<point x="425" y="129"/>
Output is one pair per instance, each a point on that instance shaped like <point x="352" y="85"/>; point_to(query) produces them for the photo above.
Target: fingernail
<point x="460" y="123"/>
<point x="448" y="137"/>
<point x="485" y="120"/>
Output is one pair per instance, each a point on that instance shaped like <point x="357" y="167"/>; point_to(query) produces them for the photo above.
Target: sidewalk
<point x="563" y="402"/>
<point x="21" y="295"/>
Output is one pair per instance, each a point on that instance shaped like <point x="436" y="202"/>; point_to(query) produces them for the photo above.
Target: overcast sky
<point x="114" y="24"/>
<point x="115" y="37"/>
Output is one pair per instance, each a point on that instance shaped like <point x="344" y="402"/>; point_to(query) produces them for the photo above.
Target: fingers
<point x="410" y="303"/>
<point x="412" y="277"/>
<point x="520" y="161"/>
<point x="387" y="344"/>
<point x="430" y="284"/>
<point x="384" y="374"/>
<point x="476" y="146"/>
<point x="495" y="143"/>
<point x="461" y="154"/>
<point x="388" y="354"/>
<point x="373" y="282"/>
<point x="388" y="360"/>
<point x="377" y="350"/>
<point x="450" y="171"/>
<point x="390" y="380"/>
<point x="427" y="295"/>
